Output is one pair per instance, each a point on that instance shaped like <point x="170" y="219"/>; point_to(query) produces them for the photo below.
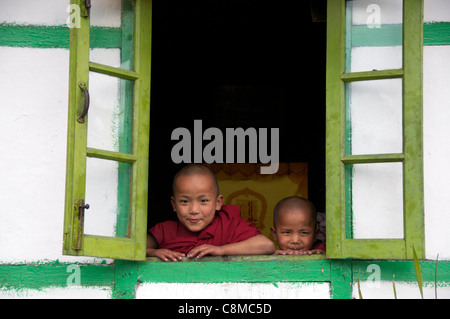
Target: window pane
<point x="436" y="11"/>
<point x="377" y="200"/>
<point x="108" y="195"/>
<point x="374" y="117"/>
<point x="110" y="114"/>
<point x="373" y="35"/>
<point x="112" y="28"/>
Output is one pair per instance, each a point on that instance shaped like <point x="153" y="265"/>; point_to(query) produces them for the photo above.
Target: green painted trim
<point x="391" y="35"/>
<point x="348" y="36"/>
<point x="235" y="271"/>
<point x="338" y="145"/>
<point x="413" y="179"/>
<point x="36" y="276"/>
<point x="341" y="279"/>
<point x="372" y="75"/>
<point x="110" y="155"/>
<point x="405" y="271"/>
<point x="76" y="133"/>
<point x="132" y="248"/>
<point x="126" y="279"/>
<point x="141" y="130"/>
<point x="372" y="158"/>
<point x="125" y="276"/>
<point x="109" y="247"/>
<point x="436" y="33"/>
<point x="36" y="36"/>
<point x="386" y="35"/>
<point x="335" y="98"/>
<point x="45" y="37"/>
<point x="348" y="131"/>
<point x="112" y="71"/>
<point x="125" y="120"/>
<point x="373" y="248"/>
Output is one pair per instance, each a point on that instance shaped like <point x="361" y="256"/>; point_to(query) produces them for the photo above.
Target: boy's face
<point x="195" y="201"/>
<point x="294" y="230"/>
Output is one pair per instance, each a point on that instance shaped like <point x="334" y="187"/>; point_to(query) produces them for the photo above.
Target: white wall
<point x="33" y="135"/>
<point x="436" y="116"/>
<point x="33" y="100"/>
<point x="104" y="13"/>
<point x="404" y="290"/>
<point x="233" y="290"/>
<point x="33" y="105"/>
<point x="57" y="293"/>
<point x="436" y="127"/>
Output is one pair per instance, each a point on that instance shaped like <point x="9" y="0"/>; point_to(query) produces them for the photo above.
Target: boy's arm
<point x="164" y="254"/>
<point x="256" y="245"/>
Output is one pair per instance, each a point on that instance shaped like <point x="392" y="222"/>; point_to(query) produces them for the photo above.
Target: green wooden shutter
<point x="127" y="160"/>
<point x="340" y="161"/>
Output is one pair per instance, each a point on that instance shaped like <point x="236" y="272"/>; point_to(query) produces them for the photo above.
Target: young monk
<point x="205" y="226"/>
<point x="295" y="227"/>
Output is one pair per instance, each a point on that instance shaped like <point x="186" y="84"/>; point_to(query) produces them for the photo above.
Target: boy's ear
<point x="219" y="202"/>
<point x="172" y="201"/>
<point x="274" y="233"/>
<point x="316" y="231"/>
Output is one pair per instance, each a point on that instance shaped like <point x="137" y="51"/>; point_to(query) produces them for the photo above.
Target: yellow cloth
<point x="257" y="194"/>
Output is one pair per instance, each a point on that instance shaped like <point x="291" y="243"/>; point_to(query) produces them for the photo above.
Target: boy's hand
<point x="299" y="252"/>
<point x="203" y="250"/>
<point x="165" y="254"/>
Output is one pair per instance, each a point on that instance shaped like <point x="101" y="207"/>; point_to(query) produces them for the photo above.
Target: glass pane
<point x="436" y="11"/>
<point x="377" y="200"/>
<point x="373" y="35"/>
<point x="374" y="117"/>
<point x="112" y="26"/>
<point x="108" y="195"/>
<point x="110" y="116"/>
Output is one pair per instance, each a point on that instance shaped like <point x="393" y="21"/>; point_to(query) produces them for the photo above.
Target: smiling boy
<point x="295" y="227"/>
<point x="205" y="226"/>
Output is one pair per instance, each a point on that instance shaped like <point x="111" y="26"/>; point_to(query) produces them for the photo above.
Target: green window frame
<point x="132" y="216"/>
<point x="340" y="243"/>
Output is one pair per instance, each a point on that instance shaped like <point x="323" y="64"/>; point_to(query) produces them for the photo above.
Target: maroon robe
<point x="227" y="227"/>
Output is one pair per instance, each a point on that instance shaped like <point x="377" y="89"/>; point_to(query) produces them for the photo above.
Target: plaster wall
<point x="404" y="290"/>
<point x="56" y="12"/>
<point x="33" y="99"/>
<point x="57" y="293"/>
<point x="33" y="102"/>
<point x="437" y="150"/>
<point x="234" y="291"/>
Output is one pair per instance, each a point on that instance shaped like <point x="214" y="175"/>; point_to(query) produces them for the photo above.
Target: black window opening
<point x="267" y="57"/>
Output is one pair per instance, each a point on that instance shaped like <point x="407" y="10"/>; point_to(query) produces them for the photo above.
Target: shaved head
<point x="196" y="169"/>
<point x="294" y="202"/>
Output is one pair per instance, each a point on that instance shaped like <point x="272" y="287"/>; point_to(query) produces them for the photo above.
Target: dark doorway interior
<point x="237" y="63"/>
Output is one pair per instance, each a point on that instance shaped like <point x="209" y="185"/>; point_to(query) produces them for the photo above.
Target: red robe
<point x="227" y="227"/>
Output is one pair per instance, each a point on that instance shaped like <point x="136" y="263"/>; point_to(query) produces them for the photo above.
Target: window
<point x="234" y="68"/>
<point x="108" y="133"/>
<point x="371" y="149"/>
<point x="374" y="129"/>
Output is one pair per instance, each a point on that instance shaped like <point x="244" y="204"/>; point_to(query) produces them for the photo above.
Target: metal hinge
<point x="81" y="207"/>
<point x="87" y="7"/>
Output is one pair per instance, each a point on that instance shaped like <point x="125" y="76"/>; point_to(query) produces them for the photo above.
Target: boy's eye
<point x="204" y="201"/>
<point x="183" y="201"/>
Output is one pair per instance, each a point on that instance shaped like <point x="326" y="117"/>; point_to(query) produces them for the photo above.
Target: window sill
<point x="247" y="258"/>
